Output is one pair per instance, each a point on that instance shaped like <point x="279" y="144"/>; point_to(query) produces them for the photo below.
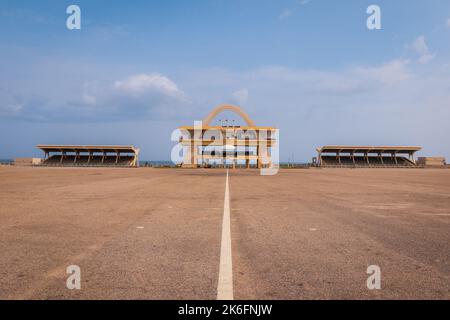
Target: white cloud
<point x="420" y="45"/>
<point x="141" y="83"/>
<point x="88" y="99"/>
<point x="424" y="59"/>
<point x="285" y="14"/>
<point x="140" y="96"/>
<point x="421" y="48"/>
<point x="389" y="73"/>
<point x="241" y="96"/>
<point x="152" y="96"/>
<point x="11" y="109"/>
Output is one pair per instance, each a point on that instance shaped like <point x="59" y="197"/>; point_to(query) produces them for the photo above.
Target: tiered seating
<point x="345" y="161"/>
<point x="83" y="160"/>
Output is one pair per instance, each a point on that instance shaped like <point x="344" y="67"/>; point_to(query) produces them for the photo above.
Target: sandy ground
<point x="155" y="233"/>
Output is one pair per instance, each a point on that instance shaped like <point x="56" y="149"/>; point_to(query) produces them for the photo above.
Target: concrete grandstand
<point x="366" y="156"/>
<point x="90" y="155"/>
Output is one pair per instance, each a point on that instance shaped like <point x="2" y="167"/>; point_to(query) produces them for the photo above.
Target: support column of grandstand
<point x="363" y="156"/>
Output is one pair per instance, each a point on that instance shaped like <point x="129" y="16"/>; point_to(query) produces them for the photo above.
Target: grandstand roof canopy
<point x="88" y="148"/>
<point x="369" y="149"/>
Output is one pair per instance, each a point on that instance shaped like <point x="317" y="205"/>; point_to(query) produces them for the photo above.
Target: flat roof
<point x="87" y="148"/>
<point x="370" y="149"/>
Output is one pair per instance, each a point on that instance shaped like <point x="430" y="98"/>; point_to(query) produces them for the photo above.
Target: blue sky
<point x="134" y="72"/>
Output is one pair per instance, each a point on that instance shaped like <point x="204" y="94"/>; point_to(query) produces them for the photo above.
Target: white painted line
<point x="225" y="286"/>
